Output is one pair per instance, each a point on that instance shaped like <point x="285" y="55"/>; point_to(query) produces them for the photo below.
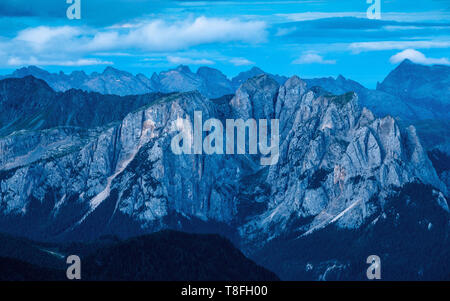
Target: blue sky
<point x="310" y="38"/>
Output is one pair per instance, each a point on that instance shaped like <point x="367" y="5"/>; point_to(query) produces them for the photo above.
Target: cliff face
<point x="338" y="165"/>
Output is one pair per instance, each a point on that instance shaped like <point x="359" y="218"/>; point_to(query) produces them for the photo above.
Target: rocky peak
<point x="242" y="77"/>
<point x="207" y="72"/>
<point x="183" y="69"/>
<point x="256" y="98"/>
<point x="30" y="70"/>
<point x="111" y="71"/>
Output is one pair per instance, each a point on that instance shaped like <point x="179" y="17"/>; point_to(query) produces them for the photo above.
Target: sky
<point x="308" y="38"/>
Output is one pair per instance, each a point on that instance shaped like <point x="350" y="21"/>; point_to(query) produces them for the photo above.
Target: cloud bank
<point x="56" y="45"/>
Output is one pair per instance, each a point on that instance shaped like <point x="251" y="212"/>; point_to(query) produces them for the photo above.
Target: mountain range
<point x="78" y="165"/>
<point x="410" y="92"/>
<point x="209" y="81"/>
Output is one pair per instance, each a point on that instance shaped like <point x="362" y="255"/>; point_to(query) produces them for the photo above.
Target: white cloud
<point x="313" y="58"/>
<point x="70" y="44"/>
<point x="158" y="35"/>
<point x="15" y="61"/>
<point x="402" y="27"/>
<point x="390" y="45"/>
<point x="285" y="31"/>
<point x="188" y="61"/>
<point x="417" y="57"/>
<point x="37" y="37"/>
<point x="240" y="61"/>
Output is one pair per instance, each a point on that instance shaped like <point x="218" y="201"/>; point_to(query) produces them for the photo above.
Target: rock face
<point x="338" y="167"/>
<point x="414" y="94"/>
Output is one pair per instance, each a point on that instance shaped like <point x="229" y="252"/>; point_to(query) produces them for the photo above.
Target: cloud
<point x="390" y="45"/>
<point x="158" y="35"/>
<point x="313" y="58"/>
<point x="285" y="31"/>
<point x="72" y="43"/>
<point x="14" y="61"/>
<point x="417" y="57"/>
<point x="188" y="61"/>
<point x="240" y="61"/>
<point x="41" y="35"/>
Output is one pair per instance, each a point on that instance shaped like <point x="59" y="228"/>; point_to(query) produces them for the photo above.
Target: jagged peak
<point x="204" y="70"/>
<point x="113" y="71"/>
<point x="256" y="69"/>
<point x="30" y="70"/>
<point x="340" y="77"/>
<point x="294" y="81"/>
<point x="183" y="68"/>
<point x="80" y="73"/>
<point x="259" y="82"/>
<point x="407" y="62"/>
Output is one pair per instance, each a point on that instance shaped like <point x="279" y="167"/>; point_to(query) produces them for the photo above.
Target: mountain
<point x="211" y="82"/>
<point x="216" y="82"/>
<point x="379" y="102"/>
<point x="255" y="71"/>
<point x="427" y="87"/>
<point x="111" y="81"/>
<point x="410" y="92"/>
<point x="181" y="79"/>
<point x="340" y="169"/>
<point x="415" y="94"/>
<point x="163" y="256"/>
<point x="29" y="103"/>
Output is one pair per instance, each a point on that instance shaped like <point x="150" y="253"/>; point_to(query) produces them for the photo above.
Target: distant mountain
<point x="216" y="82"/>
<point x="209" y="81"/>
<point x="255" y="71"/>
<point x="164" y="256"/>
<point x="111" y="81"/>
<point x="425" y="87"/>
<point x="182" y="79"/>
<point x="379" y="102"/>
